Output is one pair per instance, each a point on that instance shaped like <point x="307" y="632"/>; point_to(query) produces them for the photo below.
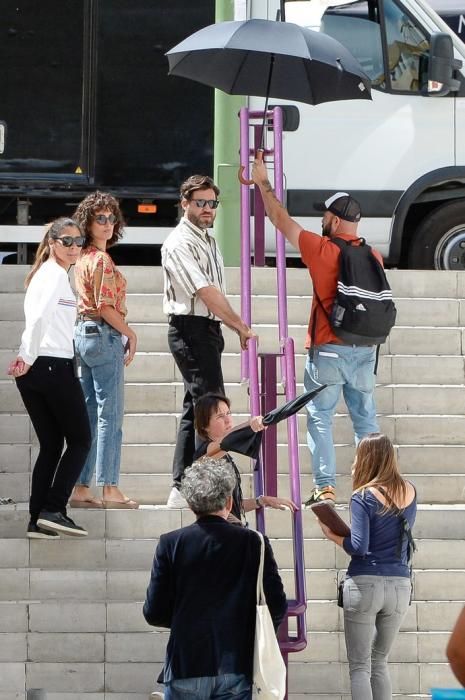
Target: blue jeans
<point x="229" y="686"/>
<point x="102" y="382"/>
<point x="374" y="608"/>
<point x="351" y="369"/>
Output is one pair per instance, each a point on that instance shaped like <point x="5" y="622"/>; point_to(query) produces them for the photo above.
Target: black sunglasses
<point x="68" y="241"/>
<point x="201" y="203"/>
<point x="102" y="219"/>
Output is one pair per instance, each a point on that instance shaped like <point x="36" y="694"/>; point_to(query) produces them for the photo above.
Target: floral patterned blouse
<point x="99" y="283"/>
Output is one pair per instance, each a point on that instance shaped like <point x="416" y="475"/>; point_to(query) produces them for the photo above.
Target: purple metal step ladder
<point x="261" y="369"/>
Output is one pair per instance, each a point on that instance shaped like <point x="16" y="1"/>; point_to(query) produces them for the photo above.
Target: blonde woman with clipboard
<point x="377" y="590"/>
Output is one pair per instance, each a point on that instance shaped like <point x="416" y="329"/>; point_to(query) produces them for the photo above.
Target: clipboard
<point x="327" y="514"/>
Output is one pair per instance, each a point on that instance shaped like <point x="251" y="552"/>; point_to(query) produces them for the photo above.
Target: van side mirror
<point x="442" y="66"/>
<point x="2" y="136"/>
<point x="291" y="116"/>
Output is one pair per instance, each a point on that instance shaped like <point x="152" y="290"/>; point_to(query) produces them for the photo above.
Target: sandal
<point x="115" y="505"/>
<point x="87" y="503"/>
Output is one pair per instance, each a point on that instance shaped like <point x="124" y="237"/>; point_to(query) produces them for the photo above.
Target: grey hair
<point x="207" y="485"/>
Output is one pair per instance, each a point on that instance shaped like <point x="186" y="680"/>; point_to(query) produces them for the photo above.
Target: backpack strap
<point x="406" y="530"/>
<point x="340" y="243"/>
<point x="375" y="371"/>
<point x="313" y="326"/>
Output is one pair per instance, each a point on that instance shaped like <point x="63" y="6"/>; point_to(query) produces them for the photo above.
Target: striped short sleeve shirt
<point x="191" y="260"/>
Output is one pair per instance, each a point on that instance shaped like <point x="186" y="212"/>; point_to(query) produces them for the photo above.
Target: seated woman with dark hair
<point x="213" y="422"/>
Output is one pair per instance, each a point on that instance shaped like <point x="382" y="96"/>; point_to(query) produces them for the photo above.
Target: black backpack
<point x="363" y="312"/>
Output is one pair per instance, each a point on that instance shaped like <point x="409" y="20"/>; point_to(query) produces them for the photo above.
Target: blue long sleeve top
<point x="374" y="539"/>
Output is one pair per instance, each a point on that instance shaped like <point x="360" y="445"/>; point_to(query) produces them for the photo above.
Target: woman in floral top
<point x="105" y="344"/>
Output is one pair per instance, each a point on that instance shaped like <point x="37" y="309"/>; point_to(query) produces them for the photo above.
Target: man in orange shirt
<point x="349" y="368"/>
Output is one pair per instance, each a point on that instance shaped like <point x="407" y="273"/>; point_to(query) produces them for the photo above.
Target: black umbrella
<point x="247" y="442"/>
<point x="270" y="59"/>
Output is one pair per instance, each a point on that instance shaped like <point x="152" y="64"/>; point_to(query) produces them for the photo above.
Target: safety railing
<point x="261" y="369"/>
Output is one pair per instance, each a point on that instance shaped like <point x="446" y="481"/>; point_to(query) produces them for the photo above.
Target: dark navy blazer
<point x="203" y="587"/>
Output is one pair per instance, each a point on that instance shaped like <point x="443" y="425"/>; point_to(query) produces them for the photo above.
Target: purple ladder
<point x="261" y="369"/>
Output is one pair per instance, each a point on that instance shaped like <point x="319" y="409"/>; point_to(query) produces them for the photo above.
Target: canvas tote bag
<point x="269" y="670"/>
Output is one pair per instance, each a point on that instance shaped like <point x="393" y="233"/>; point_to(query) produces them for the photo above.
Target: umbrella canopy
<point x="271" y="59"/>
<point x="247" y="442"/>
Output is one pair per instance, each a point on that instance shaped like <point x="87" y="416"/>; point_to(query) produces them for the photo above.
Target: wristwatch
<point x="257" y="501"/>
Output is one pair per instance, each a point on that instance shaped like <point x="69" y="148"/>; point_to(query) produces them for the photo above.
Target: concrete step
<point x="119" y="680"/>
<point x="445" y="522"/>
<point x="434" y="617"/>
<point x="149" y="280"/>
<point x="148" y="308"/>
<point x="136" y="554"/>
<point x="153" y="488"/>
<point x="143" y="458"/>
<point x="147" y="428"/>
<point x="403" y="340"/>
<point x="110" y="585"/>
<point x="157" y="458"/>
<point x="72" y="609"/>
<point x="392" y="369"/>
<point x="154" y="397"/>
<point x="417" y="429"/>
<point x="120" y="647"/>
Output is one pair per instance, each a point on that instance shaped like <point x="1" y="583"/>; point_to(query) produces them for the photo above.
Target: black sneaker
<point x="57" y="522"/>
<point x="34" y="532"/>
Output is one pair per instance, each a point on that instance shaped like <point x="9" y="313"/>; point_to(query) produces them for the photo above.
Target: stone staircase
<point x="70" y="611"/>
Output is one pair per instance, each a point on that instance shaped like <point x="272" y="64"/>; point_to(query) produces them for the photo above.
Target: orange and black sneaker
<point x="318" y="495"/>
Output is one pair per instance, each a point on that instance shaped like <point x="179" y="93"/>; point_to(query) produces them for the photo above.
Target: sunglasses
<point x="102" y="219"/>
<point x="201" y="203"/>
<point x="68" y="241"/>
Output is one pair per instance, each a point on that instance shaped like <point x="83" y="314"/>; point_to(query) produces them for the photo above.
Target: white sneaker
<point x="157" y="696"/>
<point x="176" y="500"/>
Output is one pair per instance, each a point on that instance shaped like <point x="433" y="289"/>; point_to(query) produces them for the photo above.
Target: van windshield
<point x="396" y="62"/>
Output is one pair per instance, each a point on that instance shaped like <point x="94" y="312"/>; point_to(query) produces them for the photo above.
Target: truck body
<point x="86" y="103"/>
<point x="402" y="155"/>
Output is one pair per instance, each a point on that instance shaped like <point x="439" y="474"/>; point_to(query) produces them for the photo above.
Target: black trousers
<point x="196" y="344"/>
<point x="55" y="403"/>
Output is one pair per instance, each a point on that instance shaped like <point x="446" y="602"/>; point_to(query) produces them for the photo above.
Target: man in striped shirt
<point x="196" y="304"/>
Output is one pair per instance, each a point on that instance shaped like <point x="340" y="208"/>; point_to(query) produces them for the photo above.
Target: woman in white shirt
<point x="45" y="376"/>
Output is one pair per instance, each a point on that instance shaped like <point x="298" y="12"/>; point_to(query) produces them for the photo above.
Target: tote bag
<point x="269" y="670"/>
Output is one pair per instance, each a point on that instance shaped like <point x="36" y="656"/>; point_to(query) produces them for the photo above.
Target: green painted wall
<point x="226" y="160"/>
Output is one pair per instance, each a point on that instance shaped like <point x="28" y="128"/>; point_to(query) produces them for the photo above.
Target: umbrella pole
<point x="268" y="86"/>
<point x="259" y="152"/>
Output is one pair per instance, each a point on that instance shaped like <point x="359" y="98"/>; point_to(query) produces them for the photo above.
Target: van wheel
<point x="439" y="241"/>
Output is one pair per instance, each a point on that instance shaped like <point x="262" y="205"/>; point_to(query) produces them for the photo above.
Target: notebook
<point x="327" y="514"/>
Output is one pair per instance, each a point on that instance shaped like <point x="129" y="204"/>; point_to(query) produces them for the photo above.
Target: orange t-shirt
<point x="322" y="260"/>
<point x="99" y="283"/>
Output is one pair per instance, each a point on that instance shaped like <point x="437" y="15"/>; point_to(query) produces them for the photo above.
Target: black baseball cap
<point x="341" y="204"/>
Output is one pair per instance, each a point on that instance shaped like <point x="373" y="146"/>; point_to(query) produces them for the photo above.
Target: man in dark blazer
<point x="203" y="587"/>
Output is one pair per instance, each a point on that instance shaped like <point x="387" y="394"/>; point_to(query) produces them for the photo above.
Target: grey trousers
<point x="374" y="607"/>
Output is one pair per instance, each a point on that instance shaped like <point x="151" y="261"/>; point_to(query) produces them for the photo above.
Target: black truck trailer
<point x="86" y="103"/>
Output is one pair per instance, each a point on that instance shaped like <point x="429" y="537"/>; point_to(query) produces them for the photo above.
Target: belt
<point x="84" y="317"/>
<point x="178" y="319"/>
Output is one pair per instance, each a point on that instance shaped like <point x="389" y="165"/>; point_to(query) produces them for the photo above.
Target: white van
<point x="402" y="155"/>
